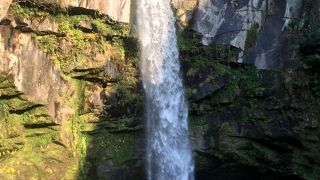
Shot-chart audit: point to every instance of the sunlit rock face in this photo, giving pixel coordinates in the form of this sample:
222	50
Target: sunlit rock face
4	6
32	72
118	10
254	25
227	22
184	11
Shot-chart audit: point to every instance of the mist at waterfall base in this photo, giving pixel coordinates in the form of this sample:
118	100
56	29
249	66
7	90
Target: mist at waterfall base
168	151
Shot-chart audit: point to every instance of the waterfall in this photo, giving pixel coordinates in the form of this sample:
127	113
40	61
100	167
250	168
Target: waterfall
168	151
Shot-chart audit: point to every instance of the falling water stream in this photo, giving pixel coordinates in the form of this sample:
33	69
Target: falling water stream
168	151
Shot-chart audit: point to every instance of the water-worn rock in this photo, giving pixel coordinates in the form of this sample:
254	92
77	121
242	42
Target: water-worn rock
33	86
268	52
232	22
227	22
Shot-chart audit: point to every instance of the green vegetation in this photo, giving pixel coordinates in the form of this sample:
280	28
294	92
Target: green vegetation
26	135
241	87
252	35
118	147
310	59
69	46
23	12
97	58
245	110
212	64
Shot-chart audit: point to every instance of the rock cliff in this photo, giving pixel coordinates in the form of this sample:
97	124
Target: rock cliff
61	88
71	98
254	26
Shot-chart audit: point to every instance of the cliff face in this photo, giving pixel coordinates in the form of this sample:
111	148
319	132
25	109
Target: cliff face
256	27
62	95
71	100
248	123
117	10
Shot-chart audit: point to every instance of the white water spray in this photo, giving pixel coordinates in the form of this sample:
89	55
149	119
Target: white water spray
168	151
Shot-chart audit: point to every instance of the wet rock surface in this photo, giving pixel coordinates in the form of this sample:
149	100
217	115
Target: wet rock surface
71	101
255	26
260	124
227	22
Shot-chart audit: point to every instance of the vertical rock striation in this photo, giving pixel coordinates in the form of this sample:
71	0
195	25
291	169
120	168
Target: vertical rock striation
253	25
227	22
32	71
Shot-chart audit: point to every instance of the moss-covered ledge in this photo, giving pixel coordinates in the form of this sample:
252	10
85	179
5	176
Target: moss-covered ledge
100	114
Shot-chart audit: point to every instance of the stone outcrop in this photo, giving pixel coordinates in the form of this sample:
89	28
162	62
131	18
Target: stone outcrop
293	10
227	22
184	11
70	96
256	124
4	6
65	80
32	115
269	49
245	24
251	124
32	72
253	25
118	10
